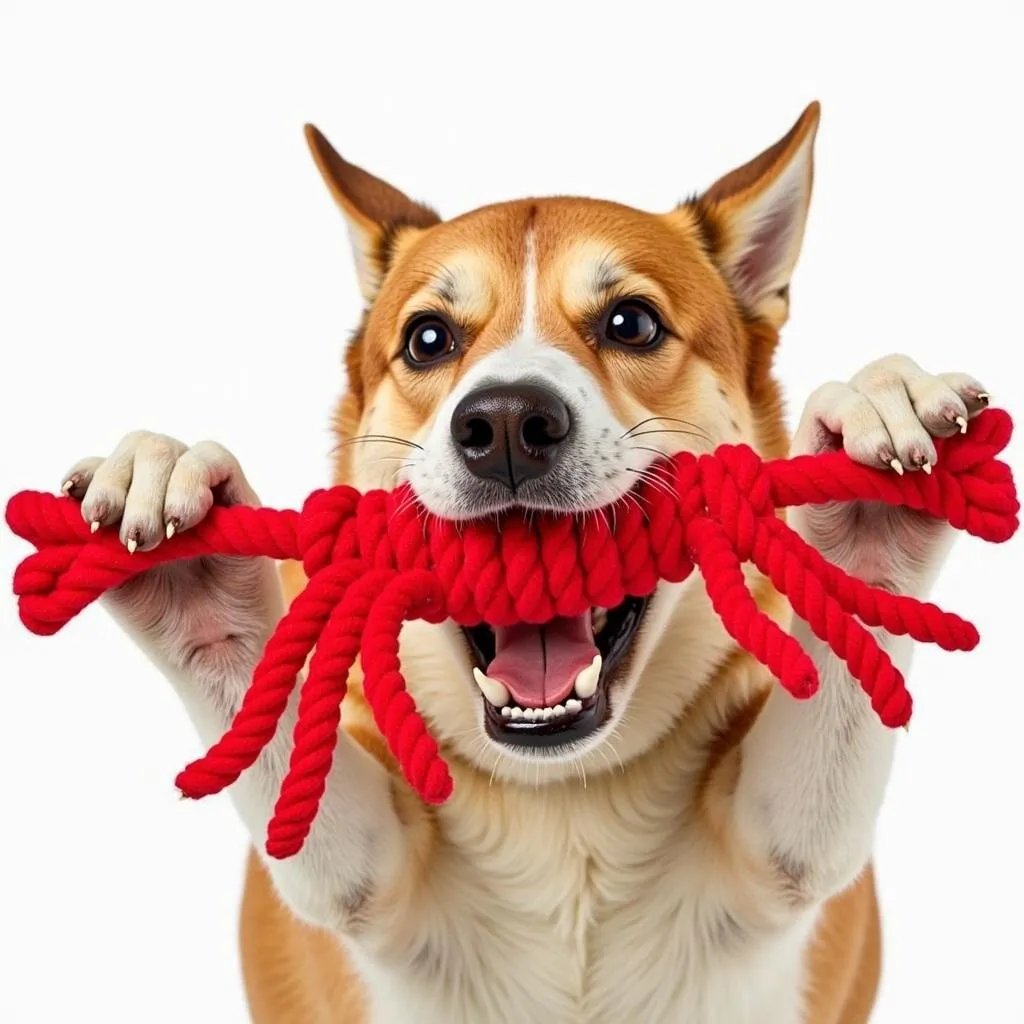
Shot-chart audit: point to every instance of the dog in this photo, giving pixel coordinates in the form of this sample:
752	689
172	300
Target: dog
644	827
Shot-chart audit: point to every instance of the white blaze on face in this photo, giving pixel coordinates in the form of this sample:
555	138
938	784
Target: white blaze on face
528	324
595	469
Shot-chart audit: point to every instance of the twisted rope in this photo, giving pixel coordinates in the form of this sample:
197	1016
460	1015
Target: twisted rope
375	561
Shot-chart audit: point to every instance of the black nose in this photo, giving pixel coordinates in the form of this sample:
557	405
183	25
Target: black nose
511	433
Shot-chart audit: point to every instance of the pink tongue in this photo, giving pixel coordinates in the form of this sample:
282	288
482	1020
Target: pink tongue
539	664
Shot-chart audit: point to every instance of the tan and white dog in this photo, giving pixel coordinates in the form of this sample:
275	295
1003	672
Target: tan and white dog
644	829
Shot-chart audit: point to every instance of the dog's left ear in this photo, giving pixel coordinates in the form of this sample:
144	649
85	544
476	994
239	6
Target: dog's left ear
377	213
756	216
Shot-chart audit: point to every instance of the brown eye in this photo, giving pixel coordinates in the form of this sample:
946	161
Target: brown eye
428	340
633	324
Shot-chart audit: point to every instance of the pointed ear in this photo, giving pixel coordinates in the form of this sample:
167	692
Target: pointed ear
375	211
756	216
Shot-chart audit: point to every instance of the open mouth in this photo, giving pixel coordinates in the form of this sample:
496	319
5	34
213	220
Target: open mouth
547	686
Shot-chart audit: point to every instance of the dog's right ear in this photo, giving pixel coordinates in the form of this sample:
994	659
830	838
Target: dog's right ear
378	215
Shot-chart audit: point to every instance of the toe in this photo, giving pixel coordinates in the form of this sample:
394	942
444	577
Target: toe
77	479
974	395
142	525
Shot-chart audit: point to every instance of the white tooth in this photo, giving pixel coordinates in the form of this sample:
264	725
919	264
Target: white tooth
506	712
517	713
529	714
546	713
586	681
572	706
558	710
495	692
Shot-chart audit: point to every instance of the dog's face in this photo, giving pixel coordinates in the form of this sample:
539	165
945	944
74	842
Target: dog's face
543	354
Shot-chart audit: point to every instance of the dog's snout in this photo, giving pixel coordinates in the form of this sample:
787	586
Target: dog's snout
511	433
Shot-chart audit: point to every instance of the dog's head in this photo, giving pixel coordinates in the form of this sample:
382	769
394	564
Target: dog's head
542	354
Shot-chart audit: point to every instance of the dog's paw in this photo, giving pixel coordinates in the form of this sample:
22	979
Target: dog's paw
207	616
888	414
887	417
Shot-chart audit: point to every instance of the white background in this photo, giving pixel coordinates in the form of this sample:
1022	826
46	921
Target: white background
169	259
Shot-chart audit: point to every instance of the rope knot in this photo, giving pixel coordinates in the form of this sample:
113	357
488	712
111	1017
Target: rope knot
737	492
326	530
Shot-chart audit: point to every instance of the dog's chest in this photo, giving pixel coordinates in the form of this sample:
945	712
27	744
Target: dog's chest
569	918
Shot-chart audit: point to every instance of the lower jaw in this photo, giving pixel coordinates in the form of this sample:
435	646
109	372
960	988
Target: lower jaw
553	732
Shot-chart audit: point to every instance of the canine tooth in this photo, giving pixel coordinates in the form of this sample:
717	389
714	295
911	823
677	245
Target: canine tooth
517	713
586	681
573	705
558	710
495	692
506	712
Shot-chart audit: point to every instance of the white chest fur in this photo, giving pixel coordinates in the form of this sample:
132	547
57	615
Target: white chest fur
605	906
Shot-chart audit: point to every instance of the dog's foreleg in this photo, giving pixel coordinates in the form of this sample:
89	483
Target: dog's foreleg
814	772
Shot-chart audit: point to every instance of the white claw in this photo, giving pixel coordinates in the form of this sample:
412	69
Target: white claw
496	692
962	424
586	681
170	529
66	486
927	467
132	545
897	465
94	526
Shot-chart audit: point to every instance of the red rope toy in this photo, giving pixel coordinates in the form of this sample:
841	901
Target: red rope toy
374	561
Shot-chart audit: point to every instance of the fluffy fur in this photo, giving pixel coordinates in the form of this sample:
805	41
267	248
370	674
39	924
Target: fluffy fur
705	856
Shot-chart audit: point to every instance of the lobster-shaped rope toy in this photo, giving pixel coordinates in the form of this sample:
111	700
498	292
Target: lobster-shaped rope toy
375	560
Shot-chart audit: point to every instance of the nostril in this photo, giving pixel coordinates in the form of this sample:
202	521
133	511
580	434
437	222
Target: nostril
543	430
475	432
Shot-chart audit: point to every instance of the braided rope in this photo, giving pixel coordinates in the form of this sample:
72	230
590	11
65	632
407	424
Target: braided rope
375	561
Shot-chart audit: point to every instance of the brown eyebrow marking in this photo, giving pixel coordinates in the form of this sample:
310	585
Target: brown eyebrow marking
607	273
445	287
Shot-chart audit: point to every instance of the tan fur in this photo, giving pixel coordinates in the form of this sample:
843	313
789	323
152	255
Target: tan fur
682	756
